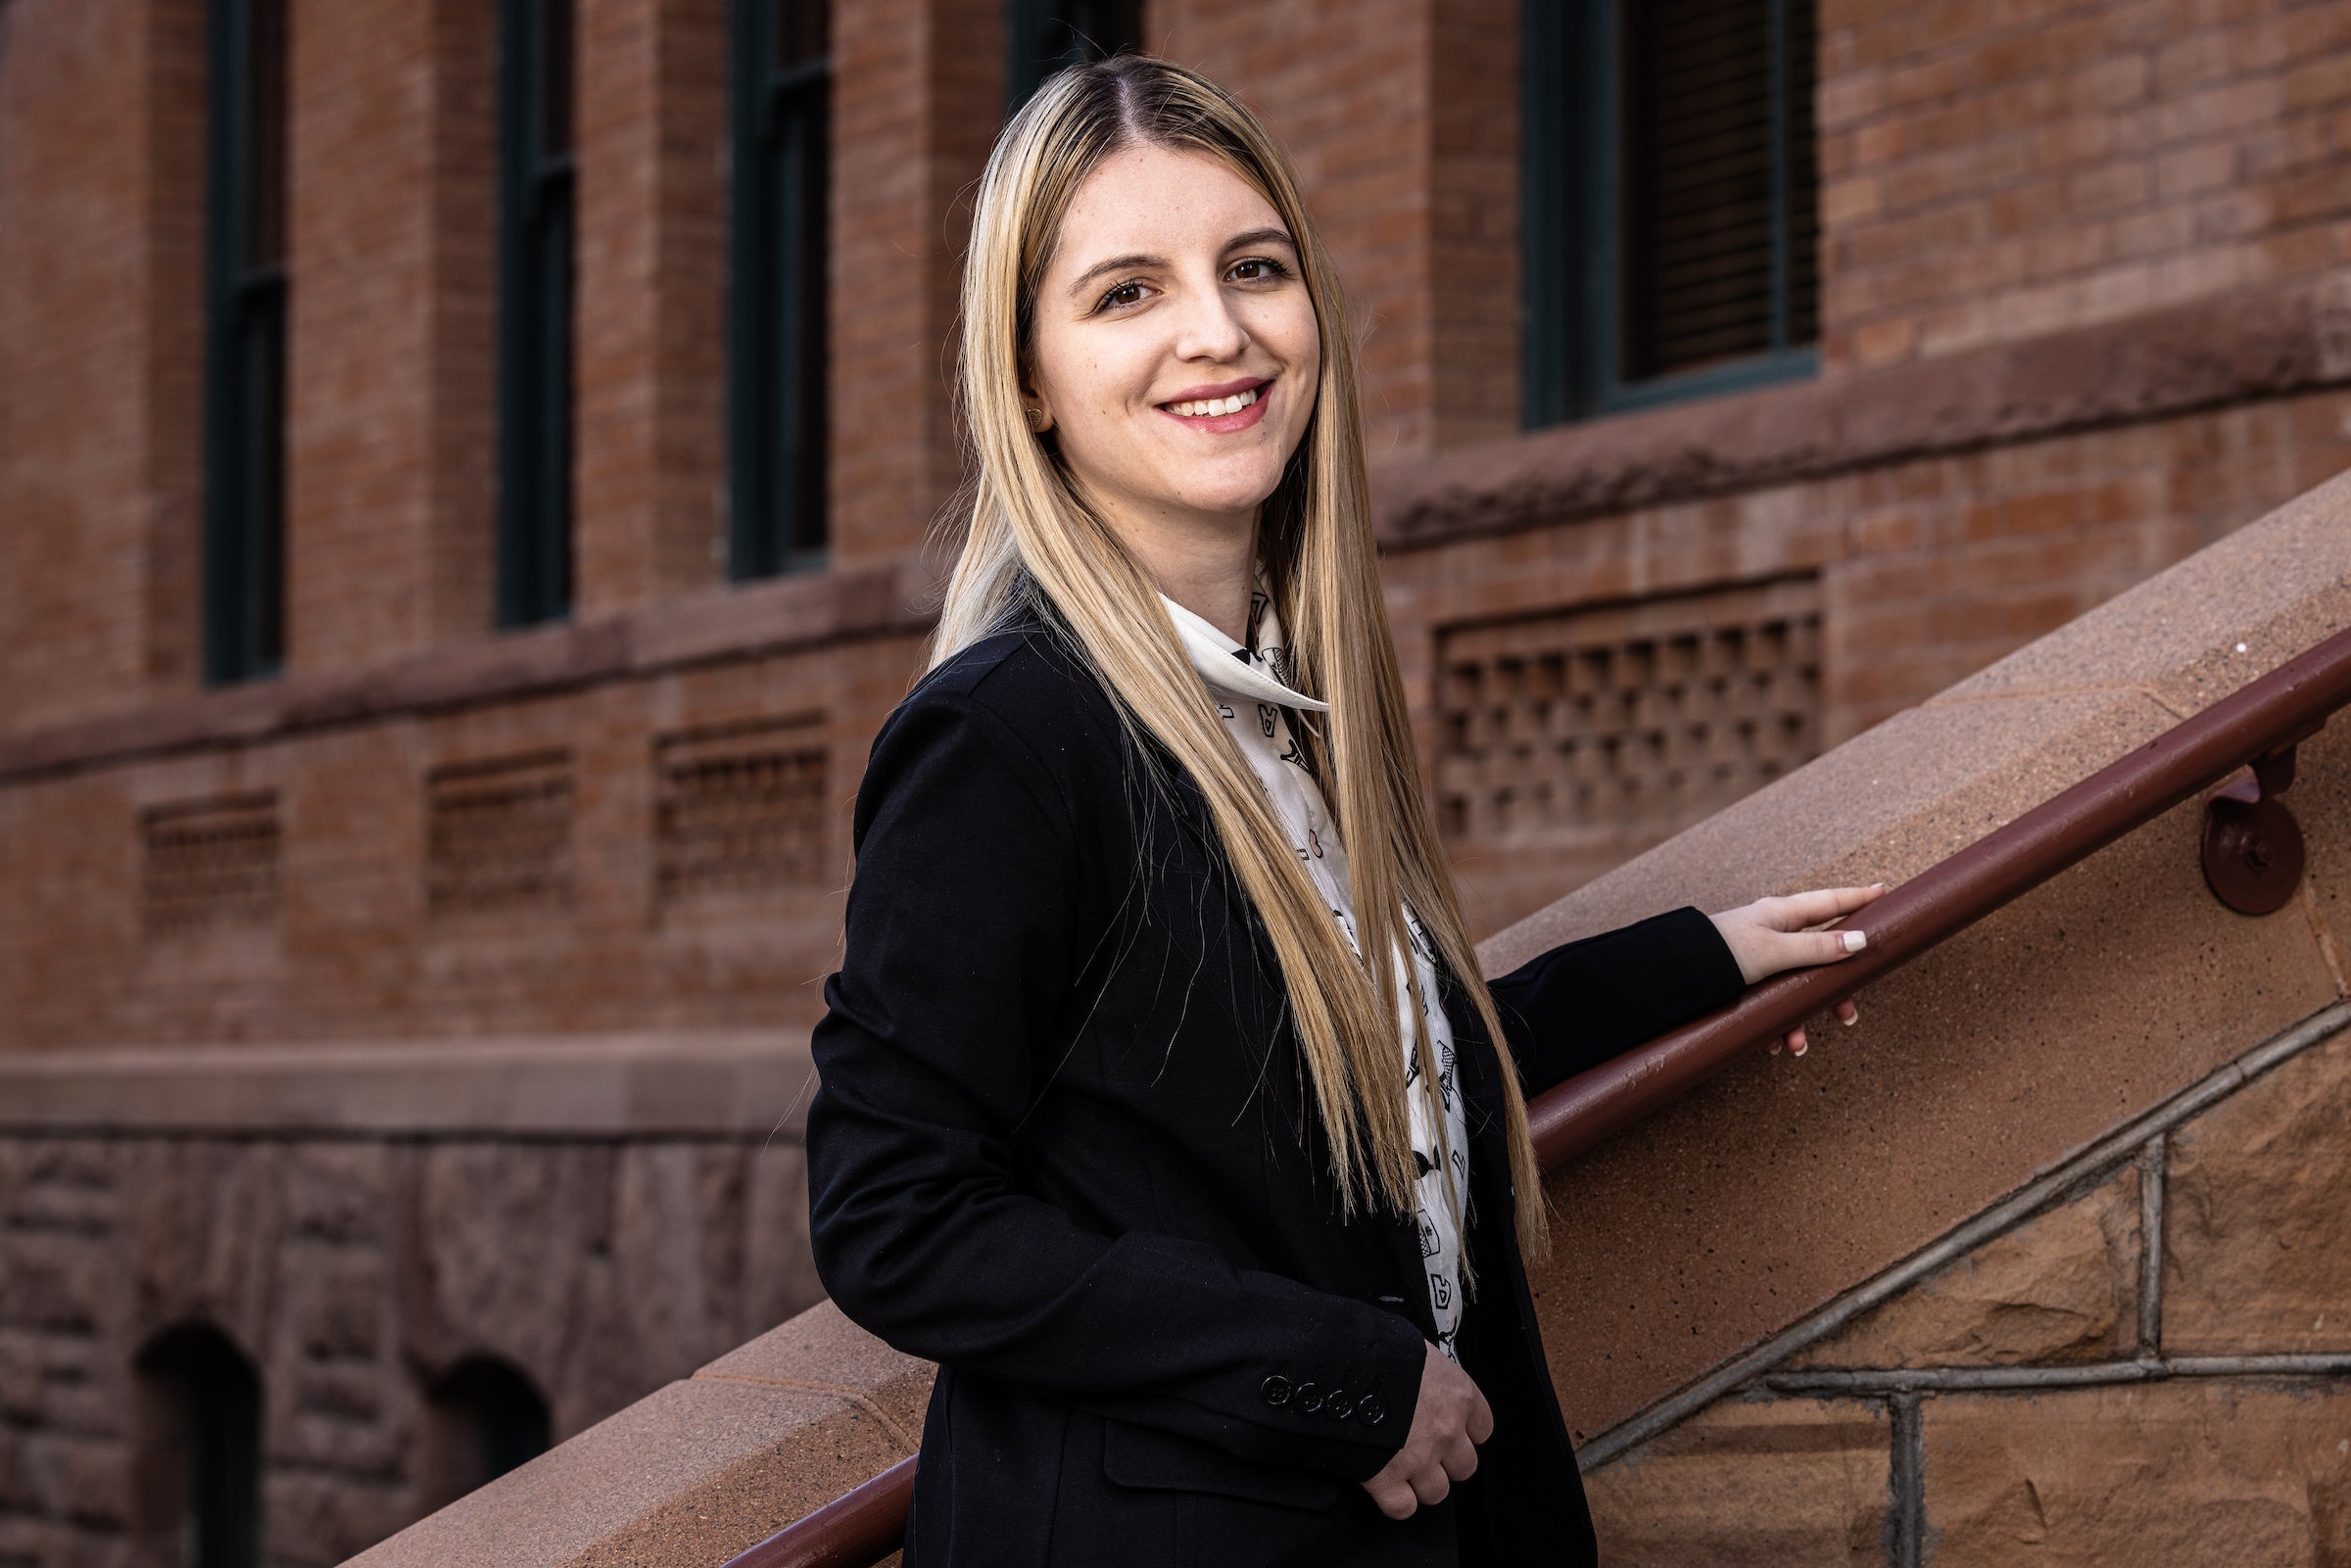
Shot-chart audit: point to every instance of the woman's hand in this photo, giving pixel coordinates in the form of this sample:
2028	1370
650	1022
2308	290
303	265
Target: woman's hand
1772	934
1449	1418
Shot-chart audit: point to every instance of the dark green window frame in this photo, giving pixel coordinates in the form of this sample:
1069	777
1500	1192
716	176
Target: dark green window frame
1041	36
776	425
536	243
1583	144
244	341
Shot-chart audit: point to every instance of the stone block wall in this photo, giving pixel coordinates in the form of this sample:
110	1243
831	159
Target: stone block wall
2142	1357
352	1271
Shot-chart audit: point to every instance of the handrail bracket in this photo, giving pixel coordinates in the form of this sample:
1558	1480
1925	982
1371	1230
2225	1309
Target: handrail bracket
2252	846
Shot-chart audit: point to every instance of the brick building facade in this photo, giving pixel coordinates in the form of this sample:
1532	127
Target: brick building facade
438	1000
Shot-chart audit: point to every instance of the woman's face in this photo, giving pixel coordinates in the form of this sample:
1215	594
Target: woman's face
1175	351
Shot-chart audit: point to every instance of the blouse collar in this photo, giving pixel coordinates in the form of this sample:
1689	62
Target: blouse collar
1228	667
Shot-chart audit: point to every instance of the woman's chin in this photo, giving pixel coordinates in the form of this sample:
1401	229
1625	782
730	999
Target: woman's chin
1236	489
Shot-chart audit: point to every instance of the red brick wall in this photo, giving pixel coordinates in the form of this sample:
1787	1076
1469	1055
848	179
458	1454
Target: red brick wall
1928	570
100	282
650	460
461	334
1474	233
1403	118
918	88
361	111
1994	170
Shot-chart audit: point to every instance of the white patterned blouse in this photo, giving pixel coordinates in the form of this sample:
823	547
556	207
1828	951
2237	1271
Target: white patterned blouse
1251	687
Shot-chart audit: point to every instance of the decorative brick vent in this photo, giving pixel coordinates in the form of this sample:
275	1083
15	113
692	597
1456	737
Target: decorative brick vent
498	834
209	865
1625	720
740	809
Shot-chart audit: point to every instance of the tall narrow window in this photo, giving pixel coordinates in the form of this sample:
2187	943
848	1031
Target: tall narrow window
198	1456
535	180
245	350
1041	36
483	1420
776	357
1671	200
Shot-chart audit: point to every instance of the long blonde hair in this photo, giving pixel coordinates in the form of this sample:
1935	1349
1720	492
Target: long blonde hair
1027	531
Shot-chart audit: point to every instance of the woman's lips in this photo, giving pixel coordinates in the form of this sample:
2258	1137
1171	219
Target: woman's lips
1224	424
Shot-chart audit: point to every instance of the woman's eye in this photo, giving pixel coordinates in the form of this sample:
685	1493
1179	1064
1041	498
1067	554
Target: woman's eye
1124	294
1258	268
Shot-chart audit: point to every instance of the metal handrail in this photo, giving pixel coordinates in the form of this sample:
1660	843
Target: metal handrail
855	1530
2267	715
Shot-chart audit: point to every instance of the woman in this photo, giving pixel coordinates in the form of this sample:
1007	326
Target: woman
1215	1227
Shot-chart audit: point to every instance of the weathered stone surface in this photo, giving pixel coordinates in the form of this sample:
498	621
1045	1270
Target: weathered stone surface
822	1347
332	1300
318	1519
779	1269
1769	1483
692	1474
2061	1287
2194	1473
203	1233
1777	1185
306	1432
665	1287
46	1544
84	1480
338	1192
503	1229
2257	1255
56	1283
19	1376
352	1272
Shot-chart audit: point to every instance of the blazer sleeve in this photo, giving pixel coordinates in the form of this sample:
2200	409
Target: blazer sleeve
1582	1003
963	942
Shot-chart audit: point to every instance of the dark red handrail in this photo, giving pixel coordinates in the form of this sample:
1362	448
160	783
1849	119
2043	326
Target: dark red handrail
2277	709
2284	705
855	1530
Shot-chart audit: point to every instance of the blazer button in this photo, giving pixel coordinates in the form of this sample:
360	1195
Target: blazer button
1339	1407
1276	1390
1309	1398
1368	1410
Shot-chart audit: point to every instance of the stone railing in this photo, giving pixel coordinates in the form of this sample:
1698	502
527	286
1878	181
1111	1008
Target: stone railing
1953	1274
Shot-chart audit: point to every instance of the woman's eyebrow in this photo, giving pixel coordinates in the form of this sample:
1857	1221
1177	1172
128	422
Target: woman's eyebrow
1261	236
1117	263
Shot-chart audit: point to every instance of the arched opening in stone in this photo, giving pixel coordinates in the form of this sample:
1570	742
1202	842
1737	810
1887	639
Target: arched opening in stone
482	1417
196	1476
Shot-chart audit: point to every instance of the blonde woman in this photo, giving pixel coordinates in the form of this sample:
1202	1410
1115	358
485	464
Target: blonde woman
1162	1102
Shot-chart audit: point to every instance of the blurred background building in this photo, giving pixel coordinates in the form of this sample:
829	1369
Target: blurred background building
466	476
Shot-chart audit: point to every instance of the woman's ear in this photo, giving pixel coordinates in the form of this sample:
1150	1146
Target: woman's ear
1035	409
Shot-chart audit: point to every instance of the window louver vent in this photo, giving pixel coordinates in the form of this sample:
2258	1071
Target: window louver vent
1719	234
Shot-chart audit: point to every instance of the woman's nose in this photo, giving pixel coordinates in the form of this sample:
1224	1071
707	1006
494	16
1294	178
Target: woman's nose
1207	327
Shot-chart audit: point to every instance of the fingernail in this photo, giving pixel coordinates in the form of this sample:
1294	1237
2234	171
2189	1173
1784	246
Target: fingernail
1854	941
1876	885
1855	1018
1797	1050
1775	1048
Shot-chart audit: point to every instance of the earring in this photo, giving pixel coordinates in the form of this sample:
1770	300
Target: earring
1037	419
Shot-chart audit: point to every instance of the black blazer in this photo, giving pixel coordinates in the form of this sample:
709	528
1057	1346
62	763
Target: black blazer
1063	1147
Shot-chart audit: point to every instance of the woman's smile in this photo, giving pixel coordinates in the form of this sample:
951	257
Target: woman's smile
1221	409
